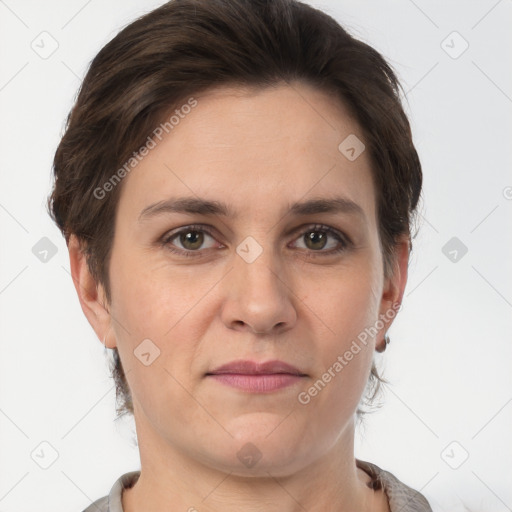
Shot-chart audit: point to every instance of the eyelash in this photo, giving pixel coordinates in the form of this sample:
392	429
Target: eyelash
168	238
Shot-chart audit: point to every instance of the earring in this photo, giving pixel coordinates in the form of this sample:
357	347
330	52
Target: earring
383	347
104	341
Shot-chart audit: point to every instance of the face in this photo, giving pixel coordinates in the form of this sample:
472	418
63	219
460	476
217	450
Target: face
263	274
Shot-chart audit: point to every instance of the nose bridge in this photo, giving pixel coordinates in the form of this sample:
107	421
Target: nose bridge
258	295
256	268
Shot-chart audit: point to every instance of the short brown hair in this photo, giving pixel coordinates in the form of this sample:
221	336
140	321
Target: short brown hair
185	47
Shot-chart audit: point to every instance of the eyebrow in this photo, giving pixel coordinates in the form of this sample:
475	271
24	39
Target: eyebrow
198	206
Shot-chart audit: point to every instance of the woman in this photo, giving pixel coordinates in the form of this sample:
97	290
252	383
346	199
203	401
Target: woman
236	186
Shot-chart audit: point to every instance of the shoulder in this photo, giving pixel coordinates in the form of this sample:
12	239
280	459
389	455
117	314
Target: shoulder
401	497
112	502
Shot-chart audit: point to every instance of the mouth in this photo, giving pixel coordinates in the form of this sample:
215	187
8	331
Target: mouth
254	377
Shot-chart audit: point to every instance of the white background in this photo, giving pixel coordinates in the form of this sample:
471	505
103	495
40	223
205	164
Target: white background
450	358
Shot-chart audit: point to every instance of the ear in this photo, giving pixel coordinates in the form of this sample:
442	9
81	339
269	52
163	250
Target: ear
394	287
90	294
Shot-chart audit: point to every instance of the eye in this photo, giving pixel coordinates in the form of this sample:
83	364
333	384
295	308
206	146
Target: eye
318	237
190	240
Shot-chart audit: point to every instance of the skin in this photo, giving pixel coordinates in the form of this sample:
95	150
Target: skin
258	151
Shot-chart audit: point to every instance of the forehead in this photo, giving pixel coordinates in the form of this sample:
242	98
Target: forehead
256	149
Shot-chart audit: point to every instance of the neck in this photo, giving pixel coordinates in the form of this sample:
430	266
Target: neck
171	481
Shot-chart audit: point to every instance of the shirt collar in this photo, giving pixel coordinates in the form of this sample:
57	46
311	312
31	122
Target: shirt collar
115	503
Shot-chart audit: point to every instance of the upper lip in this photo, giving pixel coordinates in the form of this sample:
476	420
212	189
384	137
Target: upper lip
246	367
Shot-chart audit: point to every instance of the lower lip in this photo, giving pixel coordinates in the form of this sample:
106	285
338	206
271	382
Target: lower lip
261	383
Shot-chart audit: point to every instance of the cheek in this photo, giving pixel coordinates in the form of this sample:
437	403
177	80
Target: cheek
348	302
346	308
149	302
143	311
153	341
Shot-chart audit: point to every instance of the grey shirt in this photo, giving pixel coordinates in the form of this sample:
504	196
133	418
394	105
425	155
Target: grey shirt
401	497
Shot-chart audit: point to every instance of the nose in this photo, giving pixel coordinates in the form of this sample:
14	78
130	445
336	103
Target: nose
258	297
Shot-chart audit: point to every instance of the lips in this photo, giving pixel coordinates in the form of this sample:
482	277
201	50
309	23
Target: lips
244	367
259	378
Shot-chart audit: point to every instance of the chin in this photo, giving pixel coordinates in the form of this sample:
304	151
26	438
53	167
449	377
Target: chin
269	449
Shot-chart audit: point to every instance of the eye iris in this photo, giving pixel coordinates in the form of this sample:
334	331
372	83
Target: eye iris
195	238
314	237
